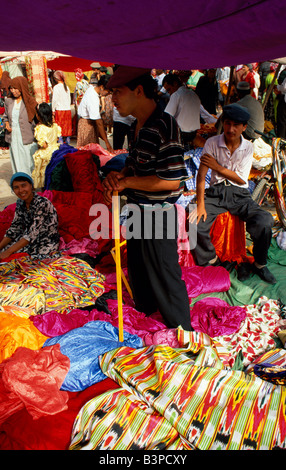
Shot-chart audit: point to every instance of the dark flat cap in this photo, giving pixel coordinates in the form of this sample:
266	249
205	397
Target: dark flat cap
243	86
236	113
125	74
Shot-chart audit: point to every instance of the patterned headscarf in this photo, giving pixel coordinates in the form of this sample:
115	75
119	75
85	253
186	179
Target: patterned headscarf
21	83
59	75
78	74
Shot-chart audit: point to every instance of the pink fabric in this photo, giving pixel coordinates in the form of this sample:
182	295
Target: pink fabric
53	323
215	317
204	280
103	154
32	380
199	280
86	245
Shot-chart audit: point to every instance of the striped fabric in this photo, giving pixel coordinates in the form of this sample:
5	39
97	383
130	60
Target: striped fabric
181	399
37	76
67	283
157	150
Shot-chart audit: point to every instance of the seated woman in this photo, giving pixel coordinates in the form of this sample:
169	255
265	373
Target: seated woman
34	229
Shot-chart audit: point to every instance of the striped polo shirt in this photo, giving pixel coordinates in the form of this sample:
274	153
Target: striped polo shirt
157	150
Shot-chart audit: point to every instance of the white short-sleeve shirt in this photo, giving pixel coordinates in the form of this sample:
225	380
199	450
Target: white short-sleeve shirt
240	161
184	105
89	107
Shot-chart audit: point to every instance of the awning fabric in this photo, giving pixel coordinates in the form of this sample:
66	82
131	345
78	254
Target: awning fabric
179	34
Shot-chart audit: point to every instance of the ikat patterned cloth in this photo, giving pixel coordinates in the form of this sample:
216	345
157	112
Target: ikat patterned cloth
181	399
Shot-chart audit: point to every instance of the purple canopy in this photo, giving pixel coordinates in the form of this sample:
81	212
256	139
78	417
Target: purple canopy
168	34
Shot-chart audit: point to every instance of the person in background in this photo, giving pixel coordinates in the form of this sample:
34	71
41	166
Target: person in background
254	107
121	129
281	110
34	229
47	134
20	119
80	88
61	106
270	109
194	78
248	76
184	105
90	123
5	84
256	79
207	90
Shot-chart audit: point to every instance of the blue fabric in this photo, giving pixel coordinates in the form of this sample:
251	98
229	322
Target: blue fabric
57	157
116	163
83	346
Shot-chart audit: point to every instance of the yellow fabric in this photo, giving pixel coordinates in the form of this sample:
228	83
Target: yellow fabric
44	135
18	332
22	296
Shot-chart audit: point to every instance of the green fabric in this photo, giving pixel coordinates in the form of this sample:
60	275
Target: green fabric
248	292
61	178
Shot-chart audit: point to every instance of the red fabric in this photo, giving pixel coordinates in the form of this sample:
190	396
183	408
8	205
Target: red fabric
64	120
228	237
68	64
84	174
32	379
6	217
21	432
73	214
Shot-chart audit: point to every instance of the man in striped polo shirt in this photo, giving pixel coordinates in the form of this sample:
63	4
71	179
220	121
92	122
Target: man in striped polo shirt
152	180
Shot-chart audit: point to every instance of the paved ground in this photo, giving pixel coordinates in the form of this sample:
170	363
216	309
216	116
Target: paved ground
6	195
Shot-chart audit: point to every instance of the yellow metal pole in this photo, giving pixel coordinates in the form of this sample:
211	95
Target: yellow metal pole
116	226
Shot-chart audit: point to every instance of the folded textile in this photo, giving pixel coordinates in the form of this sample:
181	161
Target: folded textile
215	317
181	399
83	346
32	379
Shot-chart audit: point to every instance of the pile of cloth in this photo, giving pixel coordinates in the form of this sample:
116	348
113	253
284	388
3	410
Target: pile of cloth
67	382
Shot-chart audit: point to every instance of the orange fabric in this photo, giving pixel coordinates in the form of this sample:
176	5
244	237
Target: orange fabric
18	332
228	237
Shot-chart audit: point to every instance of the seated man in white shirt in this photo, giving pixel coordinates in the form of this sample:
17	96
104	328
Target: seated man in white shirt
184	105
229	156
90	123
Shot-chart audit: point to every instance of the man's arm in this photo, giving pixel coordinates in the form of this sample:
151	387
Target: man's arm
230	175
102	134
200	212
119	182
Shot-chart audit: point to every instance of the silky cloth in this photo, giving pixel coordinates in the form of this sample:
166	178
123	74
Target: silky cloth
83	346
32	379
67	283
16	332
215	317
181	399
53	323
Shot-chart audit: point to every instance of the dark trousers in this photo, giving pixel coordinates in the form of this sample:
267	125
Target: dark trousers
219	199
281	118
155	278
120	131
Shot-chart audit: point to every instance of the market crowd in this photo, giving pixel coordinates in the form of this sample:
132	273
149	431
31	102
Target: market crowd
156	112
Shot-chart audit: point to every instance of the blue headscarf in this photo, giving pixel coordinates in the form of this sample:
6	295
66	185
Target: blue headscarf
21	174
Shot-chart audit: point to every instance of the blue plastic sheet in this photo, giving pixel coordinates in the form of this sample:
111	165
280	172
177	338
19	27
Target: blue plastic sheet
83	346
